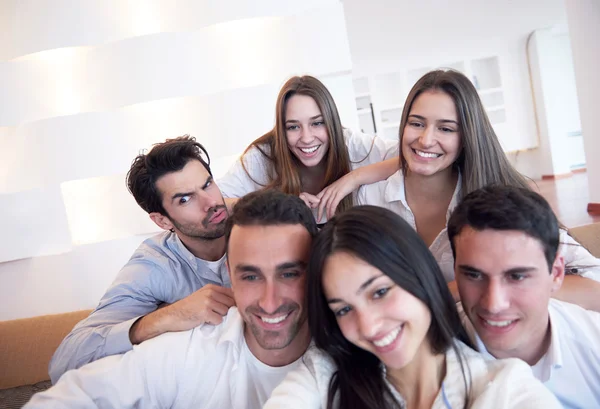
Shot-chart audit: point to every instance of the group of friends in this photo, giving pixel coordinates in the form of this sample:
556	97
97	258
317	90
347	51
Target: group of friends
333	269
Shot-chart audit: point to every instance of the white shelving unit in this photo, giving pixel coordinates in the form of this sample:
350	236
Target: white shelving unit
387	93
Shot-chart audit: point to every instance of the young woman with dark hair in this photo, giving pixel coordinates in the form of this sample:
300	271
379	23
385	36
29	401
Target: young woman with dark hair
387	332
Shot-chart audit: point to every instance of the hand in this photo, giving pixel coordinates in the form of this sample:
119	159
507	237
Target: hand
311	201
332	195
207	305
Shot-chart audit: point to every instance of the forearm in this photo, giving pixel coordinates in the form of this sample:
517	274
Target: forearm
376	172
581	291
89	343
152	325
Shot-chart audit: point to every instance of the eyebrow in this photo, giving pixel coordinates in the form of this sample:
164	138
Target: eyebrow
249	268
182	194
422	118
360	289
515	270
311	118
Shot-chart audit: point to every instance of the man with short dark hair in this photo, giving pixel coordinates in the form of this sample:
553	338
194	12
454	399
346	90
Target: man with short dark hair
235	364
505	242
181	270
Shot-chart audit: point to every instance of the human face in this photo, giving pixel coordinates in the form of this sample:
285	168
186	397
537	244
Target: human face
267	266
305	130
505	285
431	141
374	313
193	202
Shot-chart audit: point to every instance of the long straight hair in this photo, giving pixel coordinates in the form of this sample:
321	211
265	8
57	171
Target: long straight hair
482	161
384	240
283	168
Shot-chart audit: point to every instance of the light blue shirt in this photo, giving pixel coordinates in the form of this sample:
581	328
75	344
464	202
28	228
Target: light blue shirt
162	270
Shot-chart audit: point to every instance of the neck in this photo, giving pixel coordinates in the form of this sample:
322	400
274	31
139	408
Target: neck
420	381
283	356
436	187
312	178
535	348
209	250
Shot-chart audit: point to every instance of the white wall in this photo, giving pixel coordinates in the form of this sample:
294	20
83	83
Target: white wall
387	36
584	27
556	100
87	85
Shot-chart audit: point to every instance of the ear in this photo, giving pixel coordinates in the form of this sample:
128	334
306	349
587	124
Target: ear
161	221
557	272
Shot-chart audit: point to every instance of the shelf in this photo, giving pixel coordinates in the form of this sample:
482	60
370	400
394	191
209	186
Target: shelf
386	125
362	95
489	90
392	108
364	111
495	108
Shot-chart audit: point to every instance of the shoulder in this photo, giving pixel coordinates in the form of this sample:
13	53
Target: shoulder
365	149
570	320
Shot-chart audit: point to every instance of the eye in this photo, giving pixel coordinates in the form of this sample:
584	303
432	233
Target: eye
416	124
292	127
518	276
318	123
342	311
472	275
446	129
184	199
250	277
290	274
381	292
208	184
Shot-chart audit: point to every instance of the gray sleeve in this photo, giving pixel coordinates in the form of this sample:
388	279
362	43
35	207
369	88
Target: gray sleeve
106	330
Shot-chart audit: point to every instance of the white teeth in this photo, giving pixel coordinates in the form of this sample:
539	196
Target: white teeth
388	339
274	320
499	323
427	154
310	150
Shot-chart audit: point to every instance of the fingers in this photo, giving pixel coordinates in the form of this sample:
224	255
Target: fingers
311	201
213	318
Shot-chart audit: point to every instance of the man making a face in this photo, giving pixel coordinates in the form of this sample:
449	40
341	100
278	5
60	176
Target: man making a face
183	269
237	363
505	243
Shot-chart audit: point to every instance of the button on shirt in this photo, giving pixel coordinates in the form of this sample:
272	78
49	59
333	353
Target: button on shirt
571	366
391	194
207	367
161	270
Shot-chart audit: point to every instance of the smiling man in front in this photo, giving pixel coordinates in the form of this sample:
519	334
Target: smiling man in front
237	363
505	243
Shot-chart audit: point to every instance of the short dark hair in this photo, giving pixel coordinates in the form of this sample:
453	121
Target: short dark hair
166	157
270	207
507	208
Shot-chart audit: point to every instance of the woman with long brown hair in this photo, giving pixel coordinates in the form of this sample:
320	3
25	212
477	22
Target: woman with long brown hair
308	150
448	149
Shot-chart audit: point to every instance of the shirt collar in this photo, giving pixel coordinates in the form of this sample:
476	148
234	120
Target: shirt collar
233	329
394	191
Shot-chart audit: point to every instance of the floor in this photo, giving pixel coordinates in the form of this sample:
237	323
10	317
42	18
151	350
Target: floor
569	198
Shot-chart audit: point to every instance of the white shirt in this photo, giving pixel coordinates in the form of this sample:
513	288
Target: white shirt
571	366
362	149
506	383
391	194
206	367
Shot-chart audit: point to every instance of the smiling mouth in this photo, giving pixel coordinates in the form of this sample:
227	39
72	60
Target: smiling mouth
498	324
275	320
310	150
428	155
389	338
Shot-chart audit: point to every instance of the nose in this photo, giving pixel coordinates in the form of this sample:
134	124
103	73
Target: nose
207	201
306	134
427	137
368	323
495	300
269	300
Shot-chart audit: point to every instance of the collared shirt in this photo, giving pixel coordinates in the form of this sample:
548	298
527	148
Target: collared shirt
207	367
363	150
391	194
571	366
506	383
161	270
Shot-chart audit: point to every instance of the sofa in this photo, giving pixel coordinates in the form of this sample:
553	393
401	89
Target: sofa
25	350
